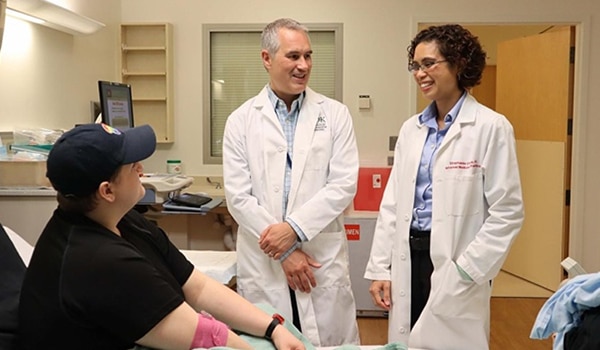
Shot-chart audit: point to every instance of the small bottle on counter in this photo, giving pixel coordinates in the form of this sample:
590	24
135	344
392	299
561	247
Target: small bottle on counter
174	166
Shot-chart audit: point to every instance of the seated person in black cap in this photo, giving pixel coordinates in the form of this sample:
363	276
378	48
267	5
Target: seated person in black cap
103	277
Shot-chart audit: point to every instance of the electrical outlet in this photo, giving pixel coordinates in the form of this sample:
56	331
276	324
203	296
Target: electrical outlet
376	180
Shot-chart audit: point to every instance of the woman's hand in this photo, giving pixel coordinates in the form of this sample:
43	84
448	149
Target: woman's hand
380	293
285	340
236	342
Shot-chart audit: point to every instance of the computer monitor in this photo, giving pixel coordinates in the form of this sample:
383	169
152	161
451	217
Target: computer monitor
116	104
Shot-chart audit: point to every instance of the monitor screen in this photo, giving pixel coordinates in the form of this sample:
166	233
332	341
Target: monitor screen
116	104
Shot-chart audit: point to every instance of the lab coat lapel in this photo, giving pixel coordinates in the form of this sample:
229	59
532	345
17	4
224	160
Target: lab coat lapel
303	138
264	105
466	115
272	137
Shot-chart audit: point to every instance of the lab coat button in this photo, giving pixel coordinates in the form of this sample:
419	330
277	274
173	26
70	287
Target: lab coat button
280	149
402	330
402	256
406	217
276	188
402	293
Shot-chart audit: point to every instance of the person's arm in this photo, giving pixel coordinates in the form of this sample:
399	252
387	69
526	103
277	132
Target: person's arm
205	293
180	330
380	258
378	267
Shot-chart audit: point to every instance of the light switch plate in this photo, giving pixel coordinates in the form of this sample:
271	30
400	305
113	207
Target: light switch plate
364	101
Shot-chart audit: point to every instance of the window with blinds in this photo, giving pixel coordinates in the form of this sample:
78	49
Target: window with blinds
234	73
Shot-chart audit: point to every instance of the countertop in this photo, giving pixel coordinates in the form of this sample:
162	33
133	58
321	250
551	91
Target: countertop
212	186
27	192
200	185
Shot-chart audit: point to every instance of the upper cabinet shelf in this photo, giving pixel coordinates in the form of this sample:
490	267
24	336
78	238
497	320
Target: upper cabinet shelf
147	65
143	48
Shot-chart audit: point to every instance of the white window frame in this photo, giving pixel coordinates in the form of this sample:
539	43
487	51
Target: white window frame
208	29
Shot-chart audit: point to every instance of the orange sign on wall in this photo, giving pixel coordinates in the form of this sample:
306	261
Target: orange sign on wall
352	232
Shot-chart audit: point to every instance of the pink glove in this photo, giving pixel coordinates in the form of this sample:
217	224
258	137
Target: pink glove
209	332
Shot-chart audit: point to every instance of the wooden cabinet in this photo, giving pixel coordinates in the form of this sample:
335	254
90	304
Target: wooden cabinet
147	65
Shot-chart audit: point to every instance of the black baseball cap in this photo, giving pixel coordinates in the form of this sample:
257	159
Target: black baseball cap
89	154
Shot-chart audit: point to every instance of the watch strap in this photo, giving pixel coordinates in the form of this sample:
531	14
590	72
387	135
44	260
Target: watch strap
277	320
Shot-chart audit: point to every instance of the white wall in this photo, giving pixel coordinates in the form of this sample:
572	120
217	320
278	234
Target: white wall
376	34
47	77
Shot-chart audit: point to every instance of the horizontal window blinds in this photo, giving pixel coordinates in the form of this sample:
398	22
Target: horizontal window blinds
237	74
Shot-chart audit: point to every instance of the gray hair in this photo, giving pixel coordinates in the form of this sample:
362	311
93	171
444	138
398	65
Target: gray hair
269	39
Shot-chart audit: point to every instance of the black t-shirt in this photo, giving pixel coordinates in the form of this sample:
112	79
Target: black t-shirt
87	288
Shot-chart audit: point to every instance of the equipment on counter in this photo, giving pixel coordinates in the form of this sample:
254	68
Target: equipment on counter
159	186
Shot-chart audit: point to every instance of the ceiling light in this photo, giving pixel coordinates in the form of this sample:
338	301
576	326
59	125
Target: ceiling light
23	16
54	16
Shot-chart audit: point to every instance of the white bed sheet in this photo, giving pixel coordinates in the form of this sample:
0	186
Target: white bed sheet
220	265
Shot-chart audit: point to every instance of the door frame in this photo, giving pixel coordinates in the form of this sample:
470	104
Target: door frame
580	87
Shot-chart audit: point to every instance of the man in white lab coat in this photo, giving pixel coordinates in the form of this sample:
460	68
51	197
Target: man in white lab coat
290	166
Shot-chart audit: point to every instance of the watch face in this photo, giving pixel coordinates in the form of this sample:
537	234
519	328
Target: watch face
279	318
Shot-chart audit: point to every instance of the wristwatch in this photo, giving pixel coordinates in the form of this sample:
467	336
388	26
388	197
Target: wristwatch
277	320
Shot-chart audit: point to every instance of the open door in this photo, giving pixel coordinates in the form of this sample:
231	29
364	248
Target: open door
534	90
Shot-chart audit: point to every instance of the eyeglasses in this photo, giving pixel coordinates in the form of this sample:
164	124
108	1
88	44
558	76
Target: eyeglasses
426	66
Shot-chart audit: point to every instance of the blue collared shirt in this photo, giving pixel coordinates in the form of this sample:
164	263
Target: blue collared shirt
423	193
288	121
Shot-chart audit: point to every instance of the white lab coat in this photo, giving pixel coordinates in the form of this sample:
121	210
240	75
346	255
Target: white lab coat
477	213
323	182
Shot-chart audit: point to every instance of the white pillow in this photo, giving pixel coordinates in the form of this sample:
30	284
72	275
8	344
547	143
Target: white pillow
23	248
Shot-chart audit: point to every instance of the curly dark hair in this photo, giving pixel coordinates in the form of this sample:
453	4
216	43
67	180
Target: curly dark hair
459	48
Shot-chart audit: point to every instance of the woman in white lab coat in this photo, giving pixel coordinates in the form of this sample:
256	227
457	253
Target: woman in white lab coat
452	206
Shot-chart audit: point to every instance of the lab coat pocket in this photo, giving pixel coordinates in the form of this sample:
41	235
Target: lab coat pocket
456	297
463	194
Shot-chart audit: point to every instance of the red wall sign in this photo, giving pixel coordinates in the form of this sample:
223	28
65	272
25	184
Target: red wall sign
352	232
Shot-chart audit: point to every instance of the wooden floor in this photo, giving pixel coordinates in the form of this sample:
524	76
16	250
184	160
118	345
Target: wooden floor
511	322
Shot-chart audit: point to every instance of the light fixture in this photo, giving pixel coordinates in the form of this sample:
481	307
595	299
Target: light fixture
53	16
23	16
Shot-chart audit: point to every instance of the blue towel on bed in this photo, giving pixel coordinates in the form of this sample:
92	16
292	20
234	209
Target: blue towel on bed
563	310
